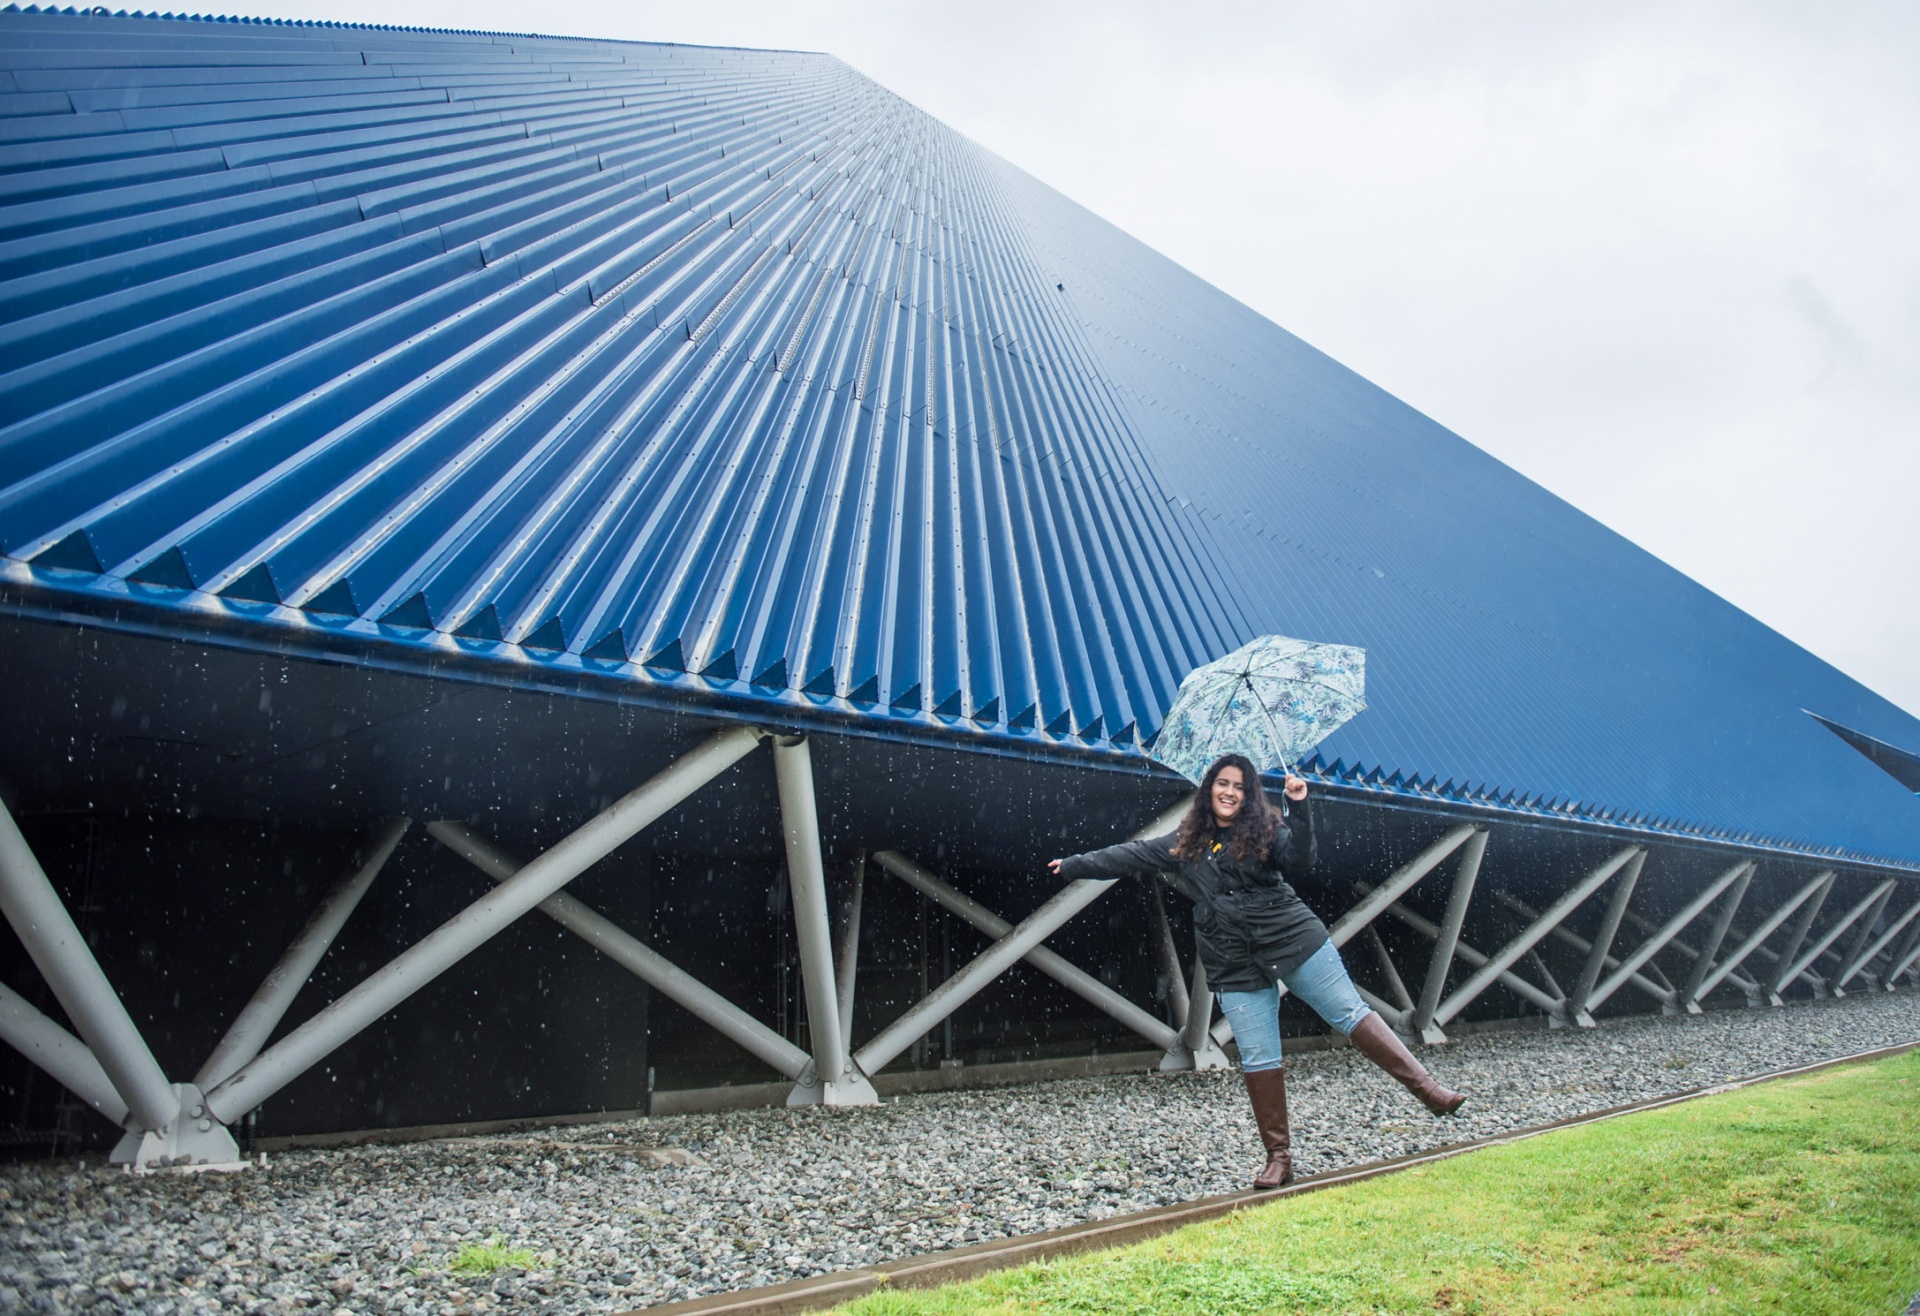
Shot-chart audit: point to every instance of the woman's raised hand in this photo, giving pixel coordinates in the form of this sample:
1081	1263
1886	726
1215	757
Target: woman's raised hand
1053	866
1295	787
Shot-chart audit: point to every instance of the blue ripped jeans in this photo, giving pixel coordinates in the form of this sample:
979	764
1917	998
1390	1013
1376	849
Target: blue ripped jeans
1321	982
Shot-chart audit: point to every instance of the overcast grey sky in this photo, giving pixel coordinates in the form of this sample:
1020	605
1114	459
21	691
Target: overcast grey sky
1662	258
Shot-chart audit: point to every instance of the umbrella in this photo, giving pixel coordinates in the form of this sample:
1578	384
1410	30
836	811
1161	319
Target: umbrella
1272	700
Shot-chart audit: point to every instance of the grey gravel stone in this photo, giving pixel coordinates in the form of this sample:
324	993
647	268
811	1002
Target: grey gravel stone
616	1216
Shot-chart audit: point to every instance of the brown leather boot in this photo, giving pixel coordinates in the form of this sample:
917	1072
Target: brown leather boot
1377	1043
1267	1089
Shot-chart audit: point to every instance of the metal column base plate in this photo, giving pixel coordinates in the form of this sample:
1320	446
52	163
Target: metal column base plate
194	1138
850	1089
1179	1057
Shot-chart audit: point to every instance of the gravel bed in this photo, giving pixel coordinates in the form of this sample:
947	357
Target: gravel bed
611	1217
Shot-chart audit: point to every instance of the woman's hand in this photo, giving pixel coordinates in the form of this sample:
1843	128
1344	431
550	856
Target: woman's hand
1295	788
1053	866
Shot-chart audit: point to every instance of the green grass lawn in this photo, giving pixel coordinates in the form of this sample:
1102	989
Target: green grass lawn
1801	1195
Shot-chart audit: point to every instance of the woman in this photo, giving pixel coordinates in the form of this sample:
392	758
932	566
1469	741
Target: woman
1233	853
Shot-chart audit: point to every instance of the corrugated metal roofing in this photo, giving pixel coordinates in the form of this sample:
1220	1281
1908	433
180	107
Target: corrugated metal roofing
731	371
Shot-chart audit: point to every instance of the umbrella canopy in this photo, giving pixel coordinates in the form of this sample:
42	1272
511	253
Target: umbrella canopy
1272	700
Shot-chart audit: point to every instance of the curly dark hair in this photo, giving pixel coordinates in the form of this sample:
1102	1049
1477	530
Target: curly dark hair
1249	837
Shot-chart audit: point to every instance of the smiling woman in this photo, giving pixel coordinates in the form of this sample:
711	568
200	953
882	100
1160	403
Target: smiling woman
1234	853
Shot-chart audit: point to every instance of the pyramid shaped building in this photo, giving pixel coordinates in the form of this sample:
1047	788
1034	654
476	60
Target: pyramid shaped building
400	422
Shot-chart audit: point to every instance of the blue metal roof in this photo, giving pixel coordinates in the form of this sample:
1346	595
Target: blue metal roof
730	373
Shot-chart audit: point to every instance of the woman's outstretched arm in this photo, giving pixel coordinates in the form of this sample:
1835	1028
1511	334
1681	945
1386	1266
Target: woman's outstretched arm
1128	859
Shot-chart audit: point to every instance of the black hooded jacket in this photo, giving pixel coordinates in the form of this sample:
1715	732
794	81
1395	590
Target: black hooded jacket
1250	927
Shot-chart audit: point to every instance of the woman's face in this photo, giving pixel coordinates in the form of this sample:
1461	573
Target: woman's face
1229	793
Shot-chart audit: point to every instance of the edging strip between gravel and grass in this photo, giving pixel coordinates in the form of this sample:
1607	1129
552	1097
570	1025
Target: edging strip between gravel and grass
933	1269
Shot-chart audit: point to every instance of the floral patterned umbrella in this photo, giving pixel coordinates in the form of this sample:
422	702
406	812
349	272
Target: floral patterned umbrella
1272	700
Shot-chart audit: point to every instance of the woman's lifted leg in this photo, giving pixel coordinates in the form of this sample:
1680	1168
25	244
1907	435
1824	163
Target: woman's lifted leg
1322	982
1374	1040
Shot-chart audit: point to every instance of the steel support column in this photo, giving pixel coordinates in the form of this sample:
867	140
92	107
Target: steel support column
847	968
58	950
58	1052
1447	937
634	955
1388	970
1553	984
1652	946
1703	963
1795	938
1851	962
840	1083
1197	1036
1860	961
1759	934
473	926
1600	952
1877	896
1505	958
1178	1001
262	1014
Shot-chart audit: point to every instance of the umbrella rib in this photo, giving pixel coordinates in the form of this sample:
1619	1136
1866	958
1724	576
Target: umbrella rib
1273	732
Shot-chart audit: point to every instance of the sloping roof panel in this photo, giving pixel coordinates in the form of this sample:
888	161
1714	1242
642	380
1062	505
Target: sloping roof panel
664	362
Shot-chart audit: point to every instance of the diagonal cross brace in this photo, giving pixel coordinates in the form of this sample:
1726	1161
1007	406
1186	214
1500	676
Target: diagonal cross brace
1905	958
1398	884
1512	981
1402	999
1179	1000
1866	957
1077	981
1797	936
846	967
45	928
59	1053
995	960
983	969
1507	956
478	923
1687	951
269	1004
1833	934
1579	943
1703	960
1599	954
1849	962
1759	934
633	955
1652	946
